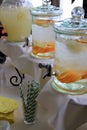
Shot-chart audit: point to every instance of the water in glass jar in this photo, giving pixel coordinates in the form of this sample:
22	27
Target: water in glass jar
17	22
70	64
43	39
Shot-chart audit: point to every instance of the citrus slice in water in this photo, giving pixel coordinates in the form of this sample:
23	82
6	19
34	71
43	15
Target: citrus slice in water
74	47
82	41
44	23
69	76
20	16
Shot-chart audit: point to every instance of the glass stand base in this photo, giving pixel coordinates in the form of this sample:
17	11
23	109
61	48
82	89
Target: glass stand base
72	88
49	55
29	123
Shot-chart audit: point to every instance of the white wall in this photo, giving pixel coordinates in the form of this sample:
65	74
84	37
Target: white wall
67	7
36	3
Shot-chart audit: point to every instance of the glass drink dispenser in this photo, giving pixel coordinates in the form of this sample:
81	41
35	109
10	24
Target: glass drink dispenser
70	62
43	36
16	19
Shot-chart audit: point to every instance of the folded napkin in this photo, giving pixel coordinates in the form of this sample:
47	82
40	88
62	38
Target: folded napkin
7	108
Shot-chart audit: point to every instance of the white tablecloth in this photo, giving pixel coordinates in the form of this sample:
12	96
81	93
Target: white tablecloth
21	59
59	111
67	112
8	90
56	111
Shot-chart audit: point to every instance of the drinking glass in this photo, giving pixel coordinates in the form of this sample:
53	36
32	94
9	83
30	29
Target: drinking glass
4	125
29	102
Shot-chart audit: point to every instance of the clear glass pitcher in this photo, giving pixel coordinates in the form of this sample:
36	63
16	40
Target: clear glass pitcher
43	36
16	19
70	62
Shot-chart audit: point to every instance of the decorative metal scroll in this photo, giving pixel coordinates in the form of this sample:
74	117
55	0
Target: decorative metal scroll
17	80
48	69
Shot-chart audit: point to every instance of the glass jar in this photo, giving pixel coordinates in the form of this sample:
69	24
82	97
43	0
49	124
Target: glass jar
43	36
16	19
70	62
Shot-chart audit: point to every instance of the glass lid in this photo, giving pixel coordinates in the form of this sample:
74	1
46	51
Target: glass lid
75	25
12	3
46	10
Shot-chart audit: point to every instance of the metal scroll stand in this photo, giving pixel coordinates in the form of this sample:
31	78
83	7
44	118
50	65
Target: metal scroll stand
2	60
48	69
17	80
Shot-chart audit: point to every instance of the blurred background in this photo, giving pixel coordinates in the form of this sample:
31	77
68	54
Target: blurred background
63	4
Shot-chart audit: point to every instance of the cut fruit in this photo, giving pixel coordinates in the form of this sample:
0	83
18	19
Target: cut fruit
48	48
82	41
74	47
20	16
43	22
69	76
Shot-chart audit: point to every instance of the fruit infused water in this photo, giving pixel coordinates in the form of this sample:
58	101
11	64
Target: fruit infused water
17	22
43	36
70	62
43	39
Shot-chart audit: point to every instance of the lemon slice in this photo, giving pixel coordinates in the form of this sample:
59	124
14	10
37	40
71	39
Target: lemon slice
21	16
7	116
7	105
74	47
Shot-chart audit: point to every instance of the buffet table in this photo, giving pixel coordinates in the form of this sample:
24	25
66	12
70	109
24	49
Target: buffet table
19	119
55	111
18	57
21	59
7	90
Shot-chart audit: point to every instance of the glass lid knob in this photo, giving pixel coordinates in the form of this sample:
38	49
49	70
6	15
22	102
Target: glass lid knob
77	14
46	2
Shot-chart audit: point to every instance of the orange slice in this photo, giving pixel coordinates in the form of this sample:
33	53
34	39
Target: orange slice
41	22
69	76
82	41
49	48
35	49
84	75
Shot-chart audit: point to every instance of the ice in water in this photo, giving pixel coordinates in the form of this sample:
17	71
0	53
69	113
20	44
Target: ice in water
43	34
